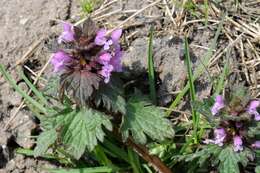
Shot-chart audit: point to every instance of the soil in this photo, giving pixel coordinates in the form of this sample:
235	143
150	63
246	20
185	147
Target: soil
23	23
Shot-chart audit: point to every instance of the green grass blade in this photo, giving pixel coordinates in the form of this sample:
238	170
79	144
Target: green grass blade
151	75
195	116
199	70
146	167
12	82
103	159
221	80
206	7
29	152
134	161
82	170
114	150
38	94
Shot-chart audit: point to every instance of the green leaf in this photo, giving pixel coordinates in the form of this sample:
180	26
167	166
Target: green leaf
82	170
195	115
151	75
143	119
134	161
52	86
30	153
229	159
205	153
110	95
204	107
44	140
84	131
257	169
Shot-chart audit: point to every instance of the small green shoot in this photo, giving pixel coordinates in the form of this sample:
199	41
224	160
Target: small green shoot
151	75
206	8
88	6
195	116
221	81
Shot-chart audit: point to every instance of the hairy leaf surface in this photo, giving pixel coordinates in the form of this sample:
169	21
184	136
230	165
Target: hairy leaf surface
203	155
110	95
82	84
44	140
143	119
229	159
84	131
52	87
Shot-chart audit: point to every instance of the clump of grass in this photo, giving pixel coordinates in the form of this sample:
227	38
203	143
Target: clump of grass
88	6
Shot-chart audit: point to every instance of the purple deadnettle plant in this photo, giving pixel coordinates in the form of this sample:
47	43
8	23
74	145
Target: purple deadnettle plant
92	58
232	141
235	117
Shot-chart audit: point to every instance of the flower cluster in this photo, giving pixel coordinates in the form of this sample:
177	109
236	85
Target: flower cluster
92	56
234	130
109	56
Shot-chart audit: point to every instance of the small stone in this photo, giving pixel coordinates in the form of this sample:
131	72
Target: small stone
23	21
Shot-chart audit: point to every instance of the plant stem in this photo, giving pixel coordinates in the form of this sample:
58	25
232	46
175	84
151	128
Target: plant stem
143	152
153	160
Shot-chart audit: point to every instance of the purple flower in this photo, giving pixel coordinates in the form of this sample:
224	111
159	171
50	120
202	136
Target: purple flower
104	58
68	33
219	104
237	143
252	109
106	72
219	137
102	40
116	60
115	35
256	144
59	61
